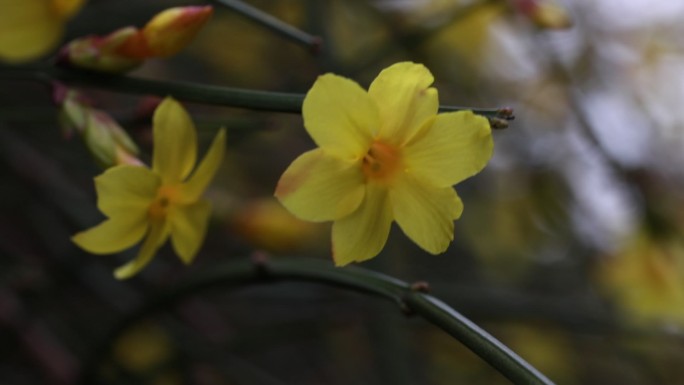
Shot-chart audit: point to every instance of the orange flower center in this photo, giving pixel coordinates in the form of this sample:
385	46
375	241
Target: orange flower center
160	205
381	162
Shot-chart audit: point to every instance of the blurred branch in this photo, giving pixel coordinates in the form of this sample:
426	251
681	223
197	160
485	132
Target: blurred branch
409	298
276	25
200	93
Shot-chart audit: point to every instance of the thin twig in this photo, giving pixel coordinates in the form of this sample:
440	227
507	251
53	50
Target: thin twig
198	93
276	25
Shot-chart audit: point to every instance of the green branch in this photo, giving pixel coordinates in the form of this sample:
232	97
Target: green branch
199	93
409	298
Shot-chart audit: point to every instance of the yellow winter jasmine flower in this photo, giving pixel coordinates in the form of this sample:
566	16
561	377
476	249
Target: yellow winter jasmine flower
383	155
156	203
30	28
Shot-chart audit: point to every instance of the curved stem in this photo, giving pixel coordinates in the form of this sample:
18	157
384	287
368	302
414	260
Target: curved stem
245	273
192	92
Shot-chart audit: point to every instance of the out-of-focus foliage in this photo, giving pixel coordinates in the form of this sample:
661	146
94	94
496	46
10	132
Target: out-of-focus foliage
569	248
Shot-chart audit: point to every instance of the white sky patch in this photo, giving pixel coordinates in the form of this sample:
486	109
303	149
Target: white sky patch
606	212
619	124
631	14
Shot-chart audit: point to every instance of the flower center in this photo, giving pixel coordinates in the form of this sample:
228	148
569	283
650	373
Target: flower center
381	162
160	205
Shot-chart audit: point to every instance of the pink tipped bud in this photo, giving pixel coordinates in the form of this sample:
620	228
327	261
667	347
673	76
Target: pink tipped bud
101	53
168	32
105	139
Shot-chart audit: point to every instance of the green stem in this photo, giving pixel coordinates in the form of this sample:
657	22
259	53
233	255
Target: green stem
244	273
276	25
192	92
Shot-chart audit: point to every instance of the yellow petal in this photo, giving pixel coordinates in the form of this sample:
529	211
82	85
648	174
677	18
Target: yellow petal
340	116
155	238
188	228
114	234
200	179
126	188
318	187
175	142
363	234
28	29
404	100
456	146
425	213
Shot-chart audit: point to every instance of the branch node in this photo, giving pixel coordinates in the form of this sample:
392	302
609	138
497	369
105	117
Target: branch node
505	113
316	45
405	308
498	123
260	259
420	286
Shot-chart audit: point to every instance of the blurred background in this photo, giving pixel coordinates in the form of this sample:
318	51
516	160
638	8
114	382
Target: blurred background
570	249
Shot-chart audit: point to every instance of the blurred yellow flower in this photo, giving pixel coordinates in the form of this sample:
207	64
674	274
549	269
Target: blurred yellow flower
383	155
30	28
646	278
159	202
266	225
166	34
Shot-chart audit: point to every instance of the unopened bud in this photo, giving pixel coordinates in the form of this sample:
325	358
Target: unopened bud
73	112
122	50
105	139
168	32
101	53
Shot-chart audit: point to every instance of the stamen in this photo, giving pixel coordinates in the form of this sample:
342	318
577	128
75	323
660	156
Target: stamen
159	207
381	161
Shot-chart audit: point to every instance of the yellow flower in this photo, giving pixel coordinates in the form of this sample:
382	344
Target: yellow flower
30	28
156	203
383	155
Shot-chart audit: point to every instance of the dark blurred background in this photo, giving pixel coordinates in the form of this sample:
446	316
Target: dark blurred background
570	248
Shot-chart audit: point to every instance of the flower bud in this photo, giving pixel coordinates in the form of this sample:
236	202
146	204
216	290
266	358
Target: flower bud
109	144
101	53
107	141
122	50
168	32
73	112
